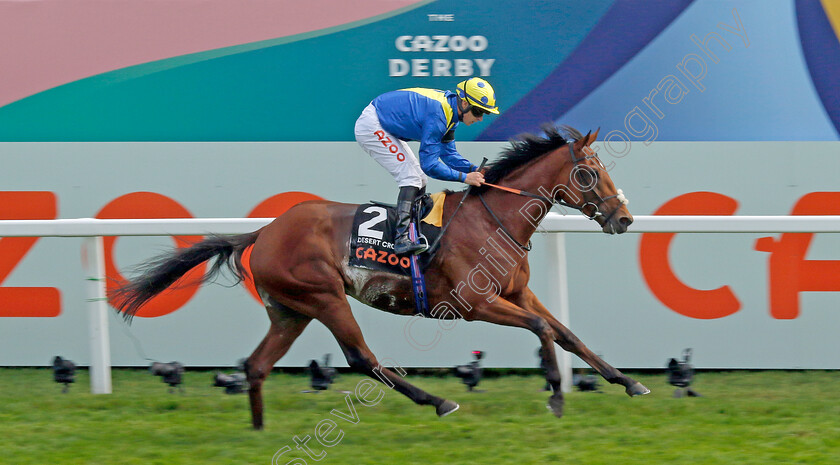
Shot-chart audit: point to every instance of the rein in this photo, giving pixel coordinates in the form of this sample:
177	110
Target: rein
535	196
434	245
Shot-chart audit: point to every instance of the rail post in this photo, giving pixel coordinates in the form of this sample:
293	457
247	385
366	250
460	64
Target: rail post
558	300
100	344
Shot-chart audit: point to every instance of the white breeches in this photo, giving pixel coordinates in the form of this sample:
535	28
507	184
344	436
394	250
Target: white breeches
392	153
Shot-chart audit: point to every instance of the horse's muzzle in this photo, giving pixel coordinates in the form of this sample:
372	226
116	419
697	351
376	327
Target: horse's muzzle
618	224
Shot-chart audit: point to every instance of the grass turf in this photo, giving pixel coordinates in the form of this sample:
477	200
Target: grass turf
743	417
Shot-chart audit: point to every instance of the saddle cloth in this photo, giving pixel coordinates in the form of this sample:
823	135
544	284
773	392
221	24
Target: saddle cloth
372	236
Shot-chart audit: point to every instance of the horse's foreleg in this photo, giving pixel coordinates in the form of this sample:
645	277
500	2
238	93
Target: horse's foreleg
569	342
286	326
503	312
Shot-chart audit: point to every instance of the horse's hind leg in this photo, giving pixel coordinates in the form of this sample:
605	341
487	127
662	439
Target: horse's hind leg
286	326
336	315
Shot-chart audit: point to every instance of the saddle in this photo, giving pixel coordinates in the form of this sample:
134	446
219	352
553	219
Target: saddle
372	236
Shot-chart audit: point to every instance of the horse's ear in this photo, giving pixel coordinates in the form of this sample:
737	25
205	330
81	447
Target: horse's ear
583	141
593	137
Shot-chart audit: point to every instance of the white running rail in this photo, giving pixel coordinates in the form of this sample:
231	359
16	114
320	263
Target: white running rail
94	229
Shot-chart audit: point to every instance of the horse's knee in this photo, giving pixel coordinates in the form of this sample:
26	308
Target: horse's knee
358	361
254	374
542	329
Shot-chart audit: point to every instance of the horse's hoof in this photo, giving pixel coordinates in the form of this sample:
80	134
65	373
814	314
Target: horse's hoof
637	389
446	408
555	404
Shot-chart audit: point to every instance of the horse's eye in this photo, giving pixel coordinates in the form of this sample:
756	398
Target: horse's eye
586	177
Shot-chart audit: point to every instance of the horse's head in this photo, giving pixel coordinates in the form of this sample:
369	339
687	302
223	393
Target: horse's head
590	188
564	169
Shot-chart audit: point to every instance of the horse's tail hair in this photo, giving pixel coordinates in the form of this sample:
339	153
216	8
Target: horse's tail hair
164	270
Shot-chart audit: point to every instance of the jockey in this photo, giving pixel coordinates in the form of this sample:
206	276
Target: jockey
429	116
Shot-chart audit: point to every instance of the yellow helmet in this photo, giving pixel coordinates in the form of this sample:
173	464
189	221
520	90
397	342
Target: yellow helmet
478	92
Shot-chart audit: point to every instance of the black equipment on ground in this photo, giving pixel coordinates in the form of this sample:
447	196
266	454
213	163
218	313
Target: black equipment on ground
470	374
234	383
171	373
321	375
681	374
64	372
586	383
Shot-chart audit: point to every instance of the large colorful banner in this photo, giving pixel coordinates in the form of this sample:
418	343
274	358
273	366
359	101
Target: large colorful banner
266	70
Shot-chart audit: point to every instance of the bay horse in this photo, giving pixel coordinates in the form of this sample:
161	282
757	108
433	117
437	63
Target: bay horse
299	265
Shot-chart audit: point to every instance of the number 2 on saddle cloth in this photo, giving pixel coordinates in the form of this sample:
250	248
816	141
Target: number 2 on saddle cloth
372	242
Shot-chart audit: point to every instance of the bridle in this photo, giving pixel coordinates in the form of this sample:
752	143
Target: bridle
595	202
589	154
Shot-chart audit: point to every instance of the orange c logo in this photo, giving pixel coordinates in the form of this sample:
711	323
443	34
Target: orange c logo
152	205
660	277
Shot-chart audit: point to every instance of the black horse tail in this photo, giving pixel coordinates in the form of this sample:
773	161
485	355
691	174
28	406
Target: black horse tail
162	271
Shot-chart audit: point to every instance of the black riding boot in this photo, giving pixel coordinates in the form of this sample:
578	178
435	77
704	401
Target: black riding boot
402	244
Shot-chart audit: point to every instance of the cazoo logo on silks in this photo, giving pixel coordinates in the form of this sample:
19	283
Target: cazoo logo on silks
392	147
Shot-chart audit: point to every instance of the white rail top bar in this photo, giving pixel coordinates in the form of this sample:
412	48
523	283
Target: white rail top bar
84	227
553	222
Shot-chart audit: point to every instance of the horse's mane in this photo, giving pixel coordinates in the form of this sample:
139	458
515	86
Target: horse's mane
523	149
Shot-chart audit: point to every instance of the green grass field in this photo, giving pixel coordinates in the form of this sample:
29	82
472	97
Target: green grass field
743	418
